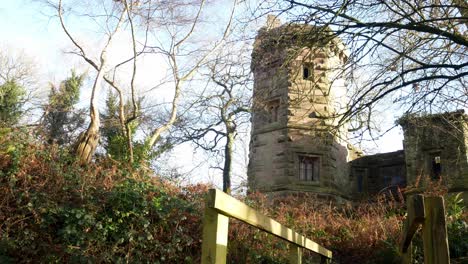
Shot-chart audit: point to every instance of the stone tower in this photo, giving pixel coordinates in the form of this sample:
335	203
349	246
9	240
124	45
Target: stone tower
298	92
436	150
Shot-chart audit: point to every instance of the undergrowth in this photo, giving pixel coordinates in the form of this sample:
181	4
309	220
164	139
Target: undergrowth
54	211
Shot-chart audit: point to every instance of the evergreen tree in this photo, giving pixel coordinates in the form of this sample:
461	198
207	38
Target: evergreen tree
61	118
11	102
111	131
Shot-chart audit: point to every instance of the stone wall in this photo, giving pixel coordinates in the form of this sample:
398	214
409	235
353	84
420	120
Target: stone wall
373	174
436	149
297	95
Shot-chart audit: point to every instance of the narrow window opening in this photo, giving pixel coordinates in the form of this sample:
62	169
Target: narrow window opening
305	73
273	110
359	183
274	113
436	169
434	164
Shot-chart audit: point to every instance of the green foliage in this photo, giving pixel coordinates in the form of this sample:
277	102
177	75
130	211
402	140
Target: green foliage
115	139
53	211
387	254
457	227
11	103
61	118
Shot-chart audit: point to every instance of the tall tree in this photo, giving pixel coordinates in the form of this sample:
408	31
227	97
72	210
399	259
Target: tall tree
16	76
114	139
11	103
162	30
224	108
61	118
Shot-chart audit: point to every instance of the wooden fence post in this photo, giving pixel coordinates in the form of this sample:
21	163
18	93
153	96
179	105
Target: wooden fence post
434	232
295	254
324	260
407	257
415	217
406	249
215	236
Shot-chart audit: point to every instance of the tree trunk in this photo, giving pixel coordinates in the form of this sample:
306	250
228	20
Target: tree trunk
228	148
87	143
88	140
129	143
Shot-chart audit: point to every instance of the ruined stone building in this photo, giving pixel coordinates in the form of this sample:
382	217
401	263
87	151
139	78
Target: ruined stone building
295	145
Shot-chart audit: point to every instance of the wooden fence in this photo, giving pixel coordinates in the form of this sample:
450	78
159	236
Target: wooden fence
428	213
220	206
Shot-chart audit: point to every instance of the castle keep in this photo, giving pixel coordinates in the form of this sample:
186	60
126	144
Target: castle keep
296	143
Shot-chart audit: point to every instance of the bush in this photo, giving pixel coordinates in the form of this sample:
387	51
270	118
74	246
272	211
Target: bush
55	211
365	233
52	210
457	227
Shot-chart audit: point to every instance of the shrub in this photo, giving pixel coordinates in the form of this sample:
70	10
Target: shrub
55	211
52	210
365	233
457	227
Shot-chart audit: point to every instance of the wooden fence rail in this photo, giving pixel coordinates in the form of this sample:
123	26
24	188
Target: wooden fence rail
220	206
428	212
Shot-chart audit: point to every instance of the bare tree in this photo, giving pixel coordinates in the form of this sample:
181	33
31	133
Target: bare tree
158	30
17	66
223	109
173	52
411	53
88	141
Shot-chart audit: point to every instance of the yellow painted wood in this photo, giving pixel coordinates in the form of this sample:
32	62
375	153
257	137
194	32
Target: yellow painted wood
232	207
407	257
415	218
295	254
325	260
215	237
430	212
434	232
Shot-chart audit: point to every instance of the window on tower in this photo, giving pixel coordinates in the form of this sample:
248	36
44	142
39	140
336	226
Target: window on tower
309	168
273	109
307	71
434	165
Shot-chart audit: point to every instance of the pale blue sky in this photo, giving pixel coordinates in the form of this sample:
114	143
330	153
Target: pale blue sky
25	26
